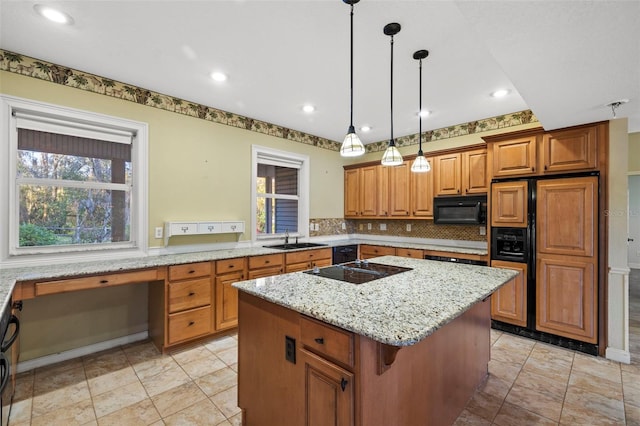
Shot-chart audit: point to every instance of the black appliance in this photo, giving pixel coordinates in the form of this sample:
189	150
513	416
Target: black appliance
358	272
466	210
519	245
9	329
344	254
455	260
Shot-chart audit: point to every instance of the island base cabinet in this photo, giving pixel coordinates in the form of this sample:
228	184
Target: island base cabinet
428	383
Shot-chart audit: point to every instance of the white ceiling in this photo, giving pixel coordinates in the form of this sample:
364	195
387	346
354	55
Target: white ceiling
564	60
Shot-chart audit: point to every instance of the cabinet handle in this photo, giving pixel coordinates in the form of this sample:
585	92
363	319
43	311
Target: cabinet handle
192	271
319	340
104	281
191	323
545	167
191	293
266	262
343	384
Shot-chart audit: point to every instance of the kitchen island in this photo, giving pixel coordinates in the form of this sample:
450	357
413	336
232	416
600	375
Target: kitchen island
407	349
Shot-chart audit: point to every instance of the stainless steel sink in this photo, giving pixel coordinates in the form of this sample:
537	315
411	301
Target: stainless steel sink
293	246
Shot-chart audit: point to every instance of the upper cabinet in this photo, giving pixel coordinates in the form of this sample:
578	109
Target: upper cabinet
399	199
509	204
535	152
422	193
569	150
361	192
460	173
515	157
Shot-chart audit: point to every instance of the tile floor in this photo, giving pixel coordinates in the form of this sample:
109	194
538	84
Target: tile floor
529	383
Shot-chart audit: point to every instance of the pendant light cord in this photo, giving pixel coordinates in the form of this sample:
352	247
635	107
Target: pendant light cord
351	122
420	111
391	96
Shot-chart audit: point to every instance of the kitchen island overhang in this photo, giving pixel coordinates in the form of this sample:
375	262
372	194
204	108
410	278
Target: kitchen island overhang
411	347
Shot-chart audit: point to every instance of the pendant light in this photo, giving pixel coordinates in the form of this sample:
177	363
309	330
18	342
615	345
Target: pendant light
392	156
351	146
420	164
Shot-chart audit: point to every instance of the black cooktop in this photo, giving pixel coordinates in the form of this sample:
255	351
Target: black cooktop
358	272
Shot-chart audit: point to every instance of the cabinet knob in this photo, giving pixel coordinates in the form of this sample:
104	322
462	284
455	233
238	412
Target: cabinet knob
343	384
191	323
267	262
191	293
104	281
319	340
192	271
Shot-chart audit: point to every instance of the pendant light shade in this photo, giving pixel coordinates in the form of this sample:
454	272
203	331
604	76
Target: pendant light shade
420	164
392	156
351	146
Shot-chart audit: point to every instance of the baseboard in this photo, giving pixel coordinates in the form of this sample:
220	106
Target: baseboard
78	352
618	355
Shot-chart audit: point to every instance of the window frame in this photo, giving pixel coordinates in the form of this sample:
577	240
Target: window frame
10	253
284	159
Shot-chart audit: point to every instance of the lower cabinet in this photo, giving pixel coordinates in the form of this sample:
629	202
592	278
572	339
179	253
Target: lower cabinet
329	396
266	265
412	253
509	302
228	271
368	251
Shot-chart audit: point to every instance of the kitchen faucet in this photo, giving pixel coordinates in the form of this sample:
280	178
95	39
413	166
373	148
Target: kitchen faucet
286	236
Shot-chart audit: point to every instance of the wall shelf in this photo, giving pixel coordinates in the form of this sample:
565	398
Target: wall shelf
201	228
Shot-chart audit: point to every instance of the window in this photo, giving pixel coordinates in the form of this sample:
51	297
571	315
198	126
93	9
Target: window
76	182
280	189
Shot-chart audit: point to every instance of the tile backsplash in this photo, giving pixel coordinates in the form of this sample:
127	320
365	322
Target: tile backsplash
397	228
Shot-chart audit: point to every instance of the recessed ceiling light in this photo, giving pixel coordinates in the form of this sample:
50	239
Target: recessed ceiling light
53	15
218	76
308	108
501	93
424	113
365	128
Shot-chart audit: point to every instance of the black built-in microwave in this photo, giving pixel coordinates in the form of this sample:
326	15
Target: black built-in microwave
464	210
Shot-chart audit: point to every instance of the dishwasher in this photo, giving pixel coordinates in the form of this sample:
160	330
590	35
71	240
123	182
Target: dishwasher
344	254
455	260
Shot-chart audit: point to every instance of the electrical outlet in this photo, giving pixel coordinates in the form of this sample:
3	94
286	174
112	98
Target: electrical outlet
158	231
408	227
383	226
344	226
290	349
360	227
369	226
311	226
316	226
483	230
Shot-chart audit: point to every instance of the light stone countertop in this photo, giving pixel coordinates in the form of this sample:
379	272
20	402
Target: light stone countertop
399	310
10	275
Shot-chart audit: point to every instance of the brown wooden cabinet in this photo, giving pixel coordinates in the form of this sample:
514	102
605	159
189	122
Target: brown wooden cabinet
368	251
399	190
266	265
447	171
572	149
509	302
514	157
475	179
383	191
352	193
509	204
361	192
422	193
190	303
304	260
567	257
412	253
228	271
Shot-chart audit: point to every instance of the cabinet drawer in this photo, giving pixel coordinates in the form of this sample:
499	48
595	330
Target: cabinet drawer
412	253
229	265
189	270
308	255
189	294
232	227
267	260
209	227
183	228
189	324
327	340
96	281
367	251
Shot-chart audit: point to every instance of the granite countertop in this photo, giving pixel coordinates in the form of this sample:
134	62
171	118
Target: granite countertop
10	275
398	310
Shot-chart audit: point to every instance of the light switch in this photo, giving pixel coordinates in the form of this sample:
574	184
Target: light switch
383	226
408	227
369	226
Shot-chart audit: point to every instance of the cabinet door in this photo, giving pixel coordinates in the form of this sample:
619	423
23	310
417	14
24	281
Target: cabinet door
509	204
352	193
383	191
566	297
227	300
515	157
369	191
329	395
422	193
568	150
567	216
509	302
447	171
399	190
474	172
